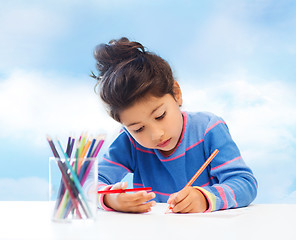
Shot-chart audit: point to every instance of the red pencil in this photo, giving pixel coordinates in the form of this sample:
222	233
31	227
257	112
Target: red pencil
125	190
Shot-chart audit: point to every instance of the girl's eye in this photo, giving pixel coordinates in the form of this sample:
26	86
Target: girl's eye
139	130
161	116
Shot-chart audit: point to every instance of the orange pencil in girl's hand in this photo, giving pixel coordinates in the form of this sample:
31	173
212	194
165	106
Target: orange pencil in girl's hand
196	175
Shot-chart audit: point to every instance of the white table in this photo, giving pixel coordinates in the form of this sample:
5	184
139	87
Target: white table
31	220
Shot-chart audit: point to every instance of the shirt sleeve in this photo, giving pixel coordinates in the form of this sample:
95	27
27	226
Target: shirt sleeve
234	184
114	165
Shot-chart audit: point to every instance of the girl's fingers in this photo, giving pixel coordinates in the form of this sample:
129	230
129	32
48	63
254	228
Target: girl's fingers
129	202
119	185
182	201
183	206
138	198
146	207
171	198
189	200
178	197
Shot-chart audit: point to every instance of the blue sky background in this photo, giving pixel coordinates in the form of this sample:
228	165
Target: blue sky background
234	58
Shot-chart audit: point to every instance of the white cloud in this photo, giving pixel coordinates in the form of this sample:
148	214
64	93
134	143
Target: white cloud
33	105
261	117
25	189
260	114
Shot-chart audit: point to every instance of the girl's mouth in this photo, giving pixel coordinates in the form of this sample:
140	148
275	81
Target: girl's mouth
164	143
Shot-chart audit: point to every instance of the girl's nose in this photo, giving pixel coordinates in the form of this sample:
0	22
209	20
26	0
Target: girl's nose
156	133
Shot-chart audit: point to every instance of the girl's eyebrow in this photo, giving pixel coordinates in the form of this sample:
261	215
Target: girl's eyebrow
134	123
156	109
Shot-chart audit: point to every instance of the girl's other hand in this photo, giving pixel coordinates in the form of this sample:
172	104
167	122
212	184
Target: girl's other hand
188	200
129	202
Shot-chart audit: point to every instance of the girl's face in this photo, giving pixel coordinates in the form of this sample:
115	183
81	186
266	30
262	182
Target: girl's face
155	122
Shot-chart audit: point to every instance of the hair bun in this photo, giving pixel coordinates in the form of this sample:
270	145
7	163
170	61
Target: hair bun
117	51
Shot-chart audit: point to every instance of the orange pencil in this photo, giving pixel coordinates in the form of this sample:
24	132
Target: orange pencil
85	148
83	153
196	175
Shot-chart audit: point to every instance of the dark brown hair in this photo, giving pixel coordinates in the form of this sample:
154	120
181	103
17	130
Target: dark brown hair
128	73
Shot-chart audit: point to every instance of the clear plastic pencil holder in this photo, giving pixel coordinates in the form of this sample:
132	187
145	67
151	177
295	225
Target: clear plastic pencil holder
72	188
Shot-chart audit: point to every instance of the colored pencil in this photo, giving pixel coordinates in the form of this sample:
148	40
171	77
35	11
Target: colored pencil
83	177
70	194
65	176
68	146
75	179
71	147
82	142
98	148
54	150
125	190
85	148
91	148
196	175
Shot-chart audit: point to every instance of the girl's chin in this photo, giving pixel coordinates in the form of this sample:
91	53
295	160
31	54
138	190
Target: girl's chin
167	151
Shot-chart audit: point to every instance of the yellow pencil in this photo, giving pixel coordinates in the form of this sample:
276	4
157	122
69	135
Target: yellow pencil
196	175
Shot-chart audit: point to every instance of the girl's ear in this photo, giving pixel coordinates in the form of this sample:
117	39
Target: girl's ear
177	93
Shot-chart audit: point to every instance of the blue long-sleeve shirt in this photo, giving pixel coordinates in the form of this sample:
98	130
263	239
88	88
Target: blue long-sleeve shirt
226	182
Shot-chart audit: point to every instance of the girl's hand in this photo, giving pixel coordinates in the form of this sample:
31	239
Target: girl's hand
188	200
129	202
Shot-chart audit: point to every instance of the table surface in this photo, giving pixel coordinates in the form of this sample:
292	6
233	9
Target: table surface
32	220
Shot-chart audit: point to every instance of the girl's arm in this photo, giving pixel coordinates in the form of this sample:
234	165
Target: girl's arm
234	184
113	167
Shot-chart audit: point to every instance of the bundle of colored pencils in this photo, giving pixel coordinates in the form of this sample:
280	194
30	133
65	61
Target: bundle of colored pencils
74	171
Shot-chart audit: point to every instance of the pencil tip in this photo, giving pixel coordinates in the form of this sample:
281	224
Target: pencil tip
168	210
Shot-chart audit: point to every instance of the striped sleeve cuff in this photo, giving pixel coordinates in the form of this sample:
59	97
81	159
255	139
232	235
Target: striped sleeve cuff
100	198
211	198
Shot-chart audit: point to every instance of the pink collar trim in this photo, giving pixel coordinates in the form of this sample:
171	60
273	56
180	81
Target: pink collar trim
182	135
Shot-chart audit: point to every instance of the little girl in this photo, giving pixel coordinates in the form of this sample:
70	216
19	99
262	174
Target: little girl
160	144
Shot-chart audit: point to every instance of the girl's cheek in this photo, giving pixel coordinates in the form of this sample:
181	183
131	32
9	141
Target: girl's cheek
144	142
140	140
